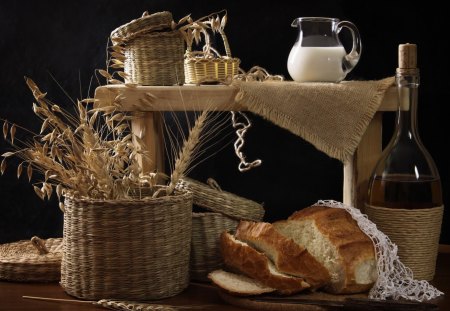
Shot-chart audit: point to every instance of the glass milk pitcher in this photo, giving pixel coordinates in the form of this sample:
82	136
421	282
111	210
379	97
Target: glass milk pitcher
318	55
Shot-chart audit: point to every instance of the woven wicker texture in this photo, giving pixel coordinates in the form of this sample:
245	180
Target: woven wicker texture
205	250
155	59
211	197
137	249
153	51
199	68
416	233
27	261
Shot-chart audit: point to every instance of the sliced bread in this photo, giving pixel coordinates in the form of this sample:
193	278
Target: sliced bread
288	256
238	284
245	259
333	237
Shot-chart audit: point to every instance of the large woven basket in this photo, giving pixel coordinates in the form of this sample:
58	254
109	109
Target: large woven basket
136	249
31	261
223	210
153	51
200	67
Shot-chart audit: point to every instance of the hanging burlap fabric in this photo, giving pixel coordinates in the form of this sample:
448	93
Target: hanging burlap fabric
331	116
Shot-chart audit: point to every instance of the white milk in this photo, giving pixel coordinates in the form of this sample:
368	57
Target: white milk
316	64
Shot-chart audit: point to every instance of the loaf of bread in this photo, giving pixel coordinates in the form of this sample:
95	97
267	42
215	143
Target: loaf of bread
238	284
242	257
333	237
288	256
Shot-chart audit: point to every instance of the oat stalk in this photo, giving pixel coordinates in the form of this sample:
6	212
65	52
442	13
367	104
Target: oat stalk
89	154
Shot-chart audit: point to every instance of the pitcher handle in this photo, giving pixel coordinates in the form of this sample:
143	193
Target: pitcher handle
352	58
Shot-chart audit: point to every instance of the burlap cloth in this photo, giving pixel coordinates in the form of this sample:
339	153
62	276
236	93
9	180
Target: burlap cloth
331	116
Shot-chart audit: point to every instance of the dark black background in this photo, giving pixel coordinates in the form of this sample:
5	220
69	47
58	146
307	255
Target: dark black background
67	39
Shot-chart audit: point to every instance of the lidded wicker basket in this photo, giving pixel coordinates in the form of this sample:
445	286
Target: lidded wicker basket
127	249
223	210
209	65
153	51
31	261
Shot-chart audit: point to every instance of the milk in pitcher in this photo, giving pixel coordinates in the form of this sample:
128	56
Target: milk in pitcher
316	64
318	54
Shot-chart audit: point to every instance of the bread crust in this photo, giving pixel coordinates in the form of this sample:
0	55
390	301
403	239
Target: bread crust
254	264
353	246
288	256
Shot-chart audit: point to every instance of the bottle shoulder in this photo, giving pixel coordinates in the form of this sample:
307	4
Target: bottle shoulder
403	156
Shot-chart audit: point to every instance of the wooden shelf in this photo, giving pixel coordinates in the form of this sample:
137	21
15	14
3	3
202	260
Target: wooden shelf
189	97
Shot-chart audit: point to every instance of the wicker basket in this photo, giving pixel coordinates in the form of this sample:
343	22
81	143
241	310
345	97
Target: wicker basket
205	248
153	51
31	261
224	210
135	249
200	67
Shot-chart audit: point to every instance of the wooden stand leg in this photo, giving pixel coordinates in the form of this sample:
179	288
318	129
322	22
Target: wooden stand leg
149	127
358	171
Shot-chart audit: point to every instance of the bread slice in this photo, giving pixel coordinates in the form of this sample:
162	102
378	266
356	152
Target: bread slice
333	237
288	256
238	284
244	258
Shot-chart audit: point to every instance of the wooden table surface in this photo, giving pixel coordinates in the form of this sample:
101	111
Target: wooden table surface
11	294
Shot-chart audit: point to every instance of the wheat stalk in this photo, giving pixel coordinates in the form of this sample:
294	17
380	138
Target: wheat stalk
186	154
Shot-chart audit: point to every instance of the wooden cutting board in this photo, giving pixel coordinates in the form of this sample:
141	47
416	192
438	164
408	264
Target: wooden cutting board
249	303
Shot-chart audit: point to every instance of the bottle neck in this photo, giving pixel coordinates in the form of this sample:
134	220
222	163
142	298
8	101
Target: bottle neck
408	87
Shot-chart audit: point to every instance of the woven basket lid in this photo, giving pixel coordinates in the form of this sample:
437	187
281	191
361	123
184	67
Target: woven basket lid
35	260
148	22
211	197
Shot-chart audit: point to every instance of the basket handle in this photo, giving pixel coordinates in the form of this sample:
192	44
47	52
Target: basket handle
225	43
39	245
207	39
213	184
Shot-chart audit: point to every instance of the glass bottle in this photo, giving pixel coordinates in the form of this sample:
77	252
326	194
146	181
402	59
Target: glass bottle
405	184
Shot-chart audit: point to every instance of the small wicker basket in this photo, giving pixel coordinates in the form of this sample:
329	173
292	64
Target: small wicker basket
210	66
224	210
153	51
31	261
134	249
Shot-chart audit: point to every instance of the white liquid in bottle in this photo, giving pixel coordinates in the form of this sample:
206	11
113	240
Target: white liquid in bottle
316	64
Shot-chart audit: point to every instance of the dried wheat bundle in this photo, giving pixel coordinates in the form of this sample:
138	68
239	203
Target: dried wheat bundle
87	155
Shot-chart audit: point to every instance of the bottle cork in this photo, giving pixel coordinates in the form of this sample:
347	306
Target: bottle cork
407	56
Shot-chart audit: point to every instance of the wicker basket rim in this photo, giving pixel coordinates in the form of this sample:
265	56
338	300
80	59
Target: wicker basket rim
226	203
222	192
156	21
179	195
188	58
209	213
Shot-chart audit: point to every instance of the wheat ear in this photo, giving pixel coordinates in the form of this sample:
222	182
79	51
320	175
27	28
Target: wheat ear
187	152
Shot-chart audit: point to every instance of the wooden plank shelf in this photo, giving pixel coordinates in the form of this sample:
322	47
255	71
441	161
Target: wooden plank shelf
190	97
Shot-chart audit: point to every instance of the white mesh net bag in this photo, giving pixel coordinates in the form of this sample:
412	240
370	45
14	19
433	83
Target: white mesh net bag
395	280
